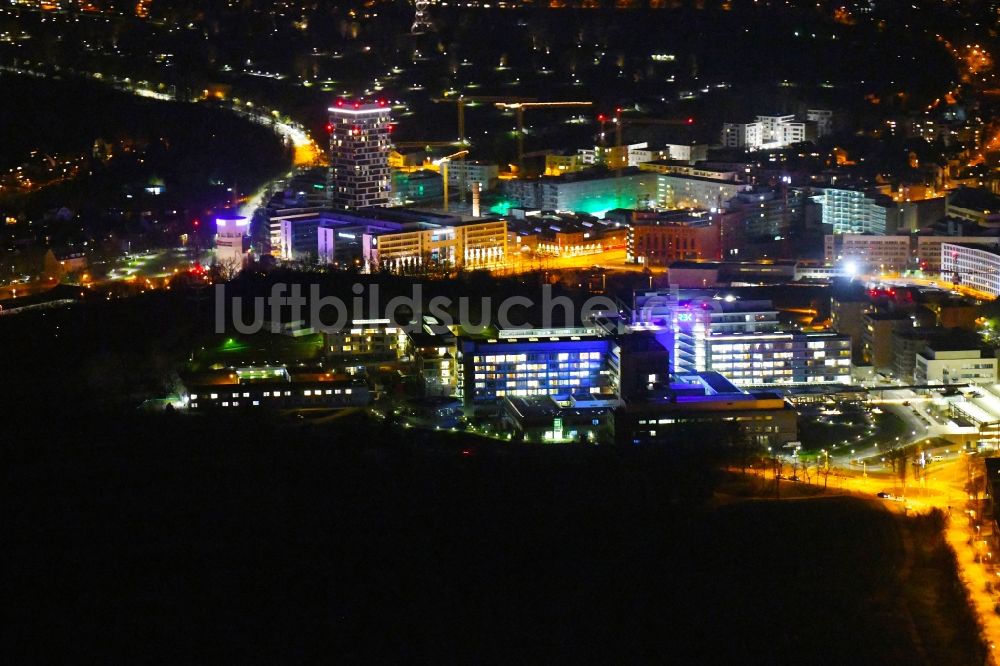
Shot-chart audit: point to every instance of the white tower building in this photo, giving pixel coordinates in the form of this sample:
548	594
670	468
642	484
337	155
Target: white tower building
231	229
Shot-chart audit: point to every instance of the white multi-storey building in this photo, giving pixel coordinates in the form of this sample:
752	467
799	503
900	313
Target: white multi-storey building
868	253
771	127
776	131
740	339
742	135
929	249
231	229
939	364
858	212
359	155
976	266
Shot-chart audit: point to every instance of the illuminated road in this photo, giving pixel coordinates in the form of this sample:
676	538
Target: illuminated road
942	485
937	283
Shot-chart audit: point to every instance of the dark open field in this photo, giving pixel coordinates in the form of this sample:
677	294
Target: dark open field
256	539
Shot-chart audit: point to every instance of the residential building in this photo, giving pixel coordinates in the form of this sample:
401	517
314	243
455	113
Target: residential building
823	118
359	155
683	191
62	262
908	342
557	164
418	185
680	152
770	132
768	213
469	172
851	211
725	173
742	135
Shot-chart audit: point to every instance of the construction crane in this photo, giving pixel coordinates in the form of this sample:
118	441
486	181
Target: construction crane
461	101
621	158
443	163
519	108
423	144
603	119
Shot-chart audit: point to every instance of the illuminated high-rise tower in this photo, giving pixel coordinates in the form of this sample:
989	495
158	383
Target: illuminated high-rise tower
359	155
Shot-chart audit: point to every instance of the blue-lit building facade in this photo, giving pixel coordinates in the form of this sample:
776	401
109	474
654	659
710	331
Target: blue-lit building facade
531	363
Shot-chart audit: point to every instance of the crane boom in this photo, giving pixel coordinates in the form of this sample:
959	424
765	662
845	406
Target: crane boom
621	159
461	101
518	108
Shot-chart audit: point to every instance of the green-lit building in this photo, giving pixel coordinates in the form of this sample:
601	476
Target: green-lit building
593	191
417	185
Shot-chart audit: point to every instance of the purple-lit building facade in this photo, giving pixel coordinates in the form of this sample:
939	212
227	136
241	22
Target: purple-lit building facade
741	338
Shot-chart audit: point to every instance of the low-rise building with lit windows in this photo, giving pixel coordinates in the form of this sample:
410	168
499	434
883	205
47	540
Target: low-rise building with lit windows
868	253
276	388
434	351
707	405
951	362
371	338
